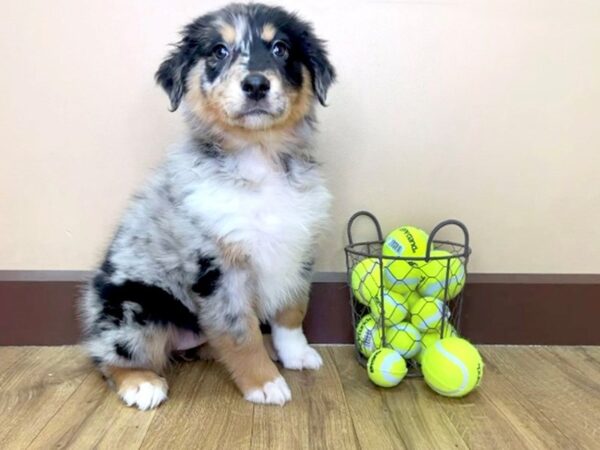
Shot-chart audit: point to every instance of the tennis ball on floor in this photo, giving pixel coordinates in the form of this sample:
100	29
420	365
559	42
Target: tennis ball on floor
401	276
406	242
434	274
428	339
394	308
386	368
452	367
404	338
427	314
365	280
368	336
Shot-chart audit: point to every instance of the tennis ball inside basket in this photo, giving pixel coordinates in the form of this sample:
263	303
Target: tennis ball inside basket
412	298
401	276
428	339
428	313
406	241
452	367
393	307
436	276
365	280
368	336
386	367
404	338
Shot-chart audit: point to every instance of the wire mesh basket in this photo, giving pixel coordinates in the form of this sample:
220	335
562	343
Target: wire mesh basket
405	302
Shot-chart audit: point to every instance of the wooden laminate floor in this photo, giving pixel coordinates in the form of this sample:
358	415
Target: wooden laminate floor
531	397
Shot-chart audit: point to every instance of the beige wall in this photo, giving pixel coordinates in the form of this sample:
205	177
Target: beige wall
486	111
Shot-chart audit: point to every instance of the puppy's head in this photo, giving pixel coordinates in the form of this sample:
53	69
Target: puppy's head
247	68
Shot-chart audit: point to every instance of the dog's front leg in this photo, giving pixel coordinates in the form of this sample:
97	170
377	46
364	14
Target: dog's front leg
289	341
233	332
248	361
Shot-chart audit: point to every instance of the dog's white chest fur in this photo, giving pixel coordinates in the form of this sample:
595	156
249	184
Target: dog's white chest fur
273	218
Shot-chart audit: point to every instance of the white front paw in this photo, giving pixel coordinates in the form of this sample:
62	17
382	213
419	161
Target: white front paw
274	392
293	349
306	358
145	395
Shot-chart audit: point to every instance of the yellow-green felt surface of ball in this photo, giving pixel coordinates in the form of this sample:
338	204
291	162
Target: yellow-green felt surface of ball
452	367
386	367
427	314
438	274
404	338
406	241
368	336
393	306
412	298
366	280
428	339
401	276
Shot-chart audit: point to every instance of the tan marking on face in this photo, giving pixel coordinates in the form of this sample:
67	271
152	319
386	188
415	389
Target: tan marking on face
125	379
227	33
268	32
208	107
246	359
291	317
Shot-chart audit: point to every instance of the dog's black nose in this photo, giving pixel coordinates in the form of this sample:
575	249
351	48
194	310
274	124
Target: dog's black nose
256	86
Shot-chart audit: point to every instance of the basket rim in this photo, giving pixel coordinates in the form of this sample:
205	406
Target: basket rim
350	249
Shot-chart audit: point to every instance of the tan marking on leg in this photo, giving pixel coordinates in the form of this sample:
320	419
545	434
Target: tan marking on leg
268	342
292	316
246	359
268	32
157	345
207	353
233	255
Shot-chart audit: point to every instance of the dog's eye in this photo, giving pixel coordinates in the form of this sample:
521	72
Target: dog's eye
220	51
280	50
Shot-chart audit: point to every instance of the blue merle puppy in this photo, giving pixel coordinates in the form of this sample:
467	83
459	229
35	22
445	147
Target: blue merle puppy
223	235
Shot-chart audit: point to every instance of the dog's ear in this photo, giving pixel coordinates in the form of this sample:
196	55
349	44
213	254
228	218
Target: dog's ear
173	71
321	70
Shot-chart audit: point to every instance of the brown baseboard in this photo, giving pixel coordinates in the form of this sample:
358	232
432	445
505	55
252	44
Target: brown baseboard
38	312
497	309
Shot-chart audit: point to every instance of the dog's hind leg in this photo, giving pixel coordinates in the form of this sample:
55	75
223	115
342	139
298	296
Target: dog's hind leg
132	362
144	389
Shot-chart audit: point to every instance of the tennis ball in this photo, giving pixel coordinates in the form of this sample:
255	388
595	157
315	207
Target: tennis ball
394	308
406	242
401	276
365	280
427	314
452	367
432	337
368	336
386	368
434	274
404	338
412	298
